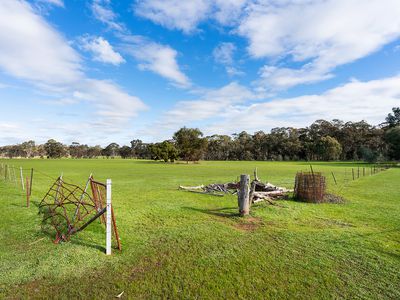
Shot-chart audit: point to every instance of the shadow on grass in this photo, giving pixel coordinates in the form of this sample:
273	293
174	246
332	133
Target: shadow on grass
225	212
87	244
48	230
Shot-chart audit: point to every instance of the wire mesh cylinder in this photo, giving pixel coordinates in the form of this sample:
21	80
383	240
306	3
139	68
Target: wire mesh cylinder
310	187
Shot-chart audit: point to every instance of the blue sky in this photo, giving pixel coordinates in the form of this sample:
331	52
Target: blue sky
102	71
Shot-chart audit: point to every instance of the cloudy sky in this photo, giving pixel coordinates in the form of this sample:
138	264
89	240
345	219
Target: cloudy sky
101	71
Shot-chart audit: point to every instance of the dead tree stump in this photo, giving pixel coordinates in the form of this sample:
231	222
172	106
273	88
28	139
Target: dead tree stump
310	187
243	195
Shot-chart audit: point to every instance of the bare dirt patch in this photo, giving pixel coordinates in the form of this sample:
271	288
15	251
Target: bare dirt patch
249	224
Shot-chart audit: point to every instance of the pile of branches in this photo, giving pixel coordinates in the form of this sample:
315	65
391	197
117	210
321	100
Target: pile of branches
259	191
215	189
268	192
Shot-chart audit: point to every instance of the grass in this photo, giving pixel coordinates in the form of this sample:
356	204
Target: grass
181	245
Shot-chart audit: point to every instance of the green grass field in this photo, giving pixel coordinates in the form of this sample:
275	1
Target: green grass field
181	245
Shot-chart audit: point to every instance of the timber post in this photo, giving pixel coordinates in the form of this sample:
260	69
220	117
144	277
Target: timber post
243	195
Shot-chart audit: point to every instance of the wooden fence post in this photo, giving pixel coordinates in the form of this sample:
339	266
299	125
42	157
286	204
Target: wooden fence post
243	195
28	194
352	171
108	218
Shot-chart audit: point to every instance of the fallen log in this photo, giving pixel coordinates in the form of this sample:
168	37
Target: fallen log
272	193
181	187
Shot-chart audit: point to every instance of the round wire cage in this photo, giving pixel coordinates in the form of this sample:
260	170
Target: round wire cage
310	187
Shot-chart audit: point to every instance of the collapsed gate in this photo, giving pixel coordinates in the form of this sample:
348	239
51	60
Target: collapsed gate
69	209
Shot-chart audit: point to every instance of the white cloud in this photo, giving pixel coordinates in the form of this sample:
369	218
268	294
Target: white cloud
114	105
158	58
234	108
224	54
228	12
59	3
102	11
101	50
10	133
354	101
320	34
174	14
187	15
212	104
274	78
32	50
152	56
329	33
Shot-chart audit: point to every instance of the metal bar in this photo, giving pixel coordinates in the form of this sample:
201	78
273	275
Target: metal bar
98	183
108	223
74	230
81	198
115	229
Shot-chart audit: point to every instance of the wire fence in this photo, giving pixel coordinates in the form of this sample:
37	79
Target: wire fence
66	206
23	179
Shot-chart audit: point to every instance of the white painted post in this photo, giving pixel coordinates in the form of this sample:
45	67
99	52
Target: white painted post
108	218
22	178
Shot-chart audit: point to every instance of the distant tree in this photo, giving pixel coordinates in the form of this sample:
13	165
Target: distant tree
14	151
219	147
94	151
284	142
369	155
329	148
125	152
41	151
111	150
393	120
242	146
54	149
190	143
165	151
29	148
260	145
392	137
140	149
77	150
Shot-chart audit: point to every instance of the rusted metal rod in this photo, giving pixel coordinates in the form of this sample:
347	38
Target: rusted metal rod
75	230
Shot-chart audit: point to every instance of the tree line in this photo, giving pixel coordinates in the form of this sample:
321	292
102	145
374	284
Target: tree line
322	140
